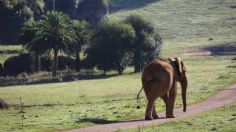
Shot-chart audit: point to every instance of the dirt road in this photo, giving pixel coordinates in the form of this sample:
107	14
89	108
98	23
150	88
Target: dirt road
219	99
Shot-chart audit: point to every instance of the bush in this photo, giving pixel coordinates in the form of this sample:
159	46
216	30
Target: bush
147	41
111	46
65	63
3	104
18	64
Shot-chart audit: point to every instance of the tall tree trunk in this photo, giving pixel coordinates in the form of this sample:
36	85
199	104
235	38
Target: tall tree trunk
78	64
137	62
120	72
55	63
37	62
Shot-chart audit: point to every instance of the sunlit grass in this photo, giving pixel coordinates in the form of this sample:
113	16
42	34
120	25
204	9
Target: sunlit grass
7	51
87	102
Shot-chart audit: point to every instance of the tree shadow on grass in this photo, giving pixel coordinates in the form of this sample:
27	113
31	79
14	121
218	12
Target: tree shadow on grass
233	7
47	80
71	78
116	5
95	121
104	121
92	77
232	66
223	49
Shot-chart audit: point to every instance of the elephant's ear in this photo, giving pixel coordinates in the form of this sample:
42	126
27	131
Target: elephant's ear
179	63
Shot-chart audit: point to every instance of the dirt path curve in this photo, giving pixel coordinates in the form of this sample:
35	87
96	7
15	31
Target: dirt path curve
221	98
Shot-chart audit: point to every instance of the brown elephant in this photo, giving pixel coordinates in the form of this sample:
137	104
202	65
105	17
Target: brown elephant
159	79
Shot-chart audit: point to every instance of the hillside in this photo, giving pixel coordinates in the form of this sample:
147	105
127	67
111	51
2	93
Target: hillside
186	23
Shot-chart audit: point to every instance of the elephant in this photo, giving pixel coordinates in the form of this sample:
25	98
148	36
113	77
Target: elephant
159	79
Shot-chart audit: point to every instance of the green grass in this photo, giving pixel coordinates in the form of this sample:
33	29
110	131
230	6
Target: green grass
59	106
220	120
186	24
117	5
10	48
4	57
8	51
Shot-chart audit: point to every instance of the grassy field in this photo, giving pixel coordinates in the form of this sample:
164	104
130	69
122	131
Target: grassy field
8	51
67	105
220	120
59	106
184	24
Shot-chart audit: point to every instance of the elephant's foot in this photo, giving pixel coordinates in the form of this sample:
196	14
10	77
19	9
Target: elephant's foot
170	116
148	118
155	116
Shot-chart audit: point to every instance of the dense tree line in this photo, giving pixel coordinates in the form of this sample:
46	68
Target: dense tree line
15	13
109	45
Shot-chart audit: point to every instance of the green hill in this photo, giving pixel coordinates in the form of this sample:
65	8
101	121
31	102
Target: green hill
188	23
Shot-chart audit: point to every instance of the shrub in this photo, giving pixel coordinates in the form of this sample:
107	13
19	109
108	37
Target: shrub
111	46
3	104
18	64
65	63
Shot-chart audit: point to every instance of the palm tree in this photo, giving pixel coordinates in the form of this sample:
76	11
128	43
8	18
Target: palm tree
55	32
52	33
82	36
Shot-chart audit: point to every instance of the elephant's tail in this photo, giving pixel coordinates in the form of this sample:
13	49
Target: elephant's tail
138	100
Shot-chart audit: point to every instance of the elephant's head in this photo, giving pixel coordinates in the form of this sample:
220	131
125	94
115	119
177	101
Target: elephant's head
182	78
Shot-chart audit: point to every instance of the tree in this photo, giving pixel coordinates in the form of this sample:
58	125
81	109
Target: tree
11	20
147	42
14	14
83	34
56	33
66	6
92	10
111	46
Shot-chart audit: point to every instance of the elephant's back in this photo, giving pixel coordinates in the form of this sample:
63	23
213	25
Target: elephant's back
159	71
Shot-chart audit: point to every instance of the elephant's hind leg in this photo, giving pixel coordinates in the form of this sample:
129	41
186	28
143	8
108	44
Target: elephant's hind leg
149	110
153	91
154	113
